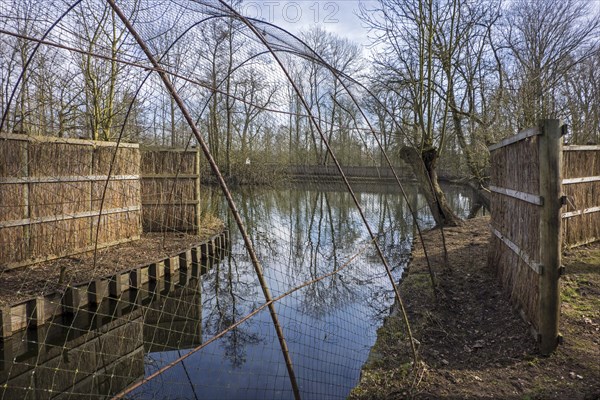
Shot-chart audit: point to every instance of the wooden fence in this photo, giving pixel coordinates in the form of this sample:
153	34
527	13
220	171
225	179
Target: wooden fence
330	172
52	197
529	224
170	189
525	222
581	186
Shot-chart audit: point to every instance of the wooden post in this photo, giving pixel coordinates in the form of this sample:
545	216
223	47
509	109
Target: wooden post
550	163
25	172
197	192
5	322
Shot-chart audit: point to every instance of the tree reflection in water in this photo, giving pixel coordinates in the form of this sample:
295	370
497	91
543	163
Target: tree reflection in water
300	235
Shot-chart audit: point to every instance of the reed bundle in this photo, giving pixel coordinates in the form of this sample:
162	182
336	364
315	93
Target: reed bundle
170	190
516	167
585	227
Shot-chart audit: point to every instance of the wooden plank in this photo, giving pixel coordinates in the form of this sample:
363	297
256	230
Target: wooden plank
26	201
144	275
516	138
581	148
156	271
114	286
5	322
18	316
169	176
171	265
54	139
527	197
174	202
580	212
586	179
197	192
55	218
535	266
170	149
584	242
36	310
125	281
75	297
185	260
135	278
52	305
61	179
99	289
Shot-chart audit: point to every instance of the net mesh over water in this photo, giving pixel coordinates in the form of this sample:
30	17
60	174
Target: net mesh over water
129	267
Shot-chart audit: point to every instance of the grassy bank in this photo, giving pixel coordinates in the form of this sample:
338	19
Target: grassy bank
471	343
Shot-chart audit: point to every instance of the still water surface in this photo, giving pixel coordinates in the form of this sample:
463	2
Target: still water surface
301	233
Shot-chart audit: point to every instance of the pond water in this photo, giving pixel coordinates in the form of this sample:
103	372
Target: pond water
301	233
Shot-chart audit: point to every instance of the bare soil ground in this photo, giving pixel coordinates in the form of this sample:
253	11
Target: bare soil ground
44	278
471	343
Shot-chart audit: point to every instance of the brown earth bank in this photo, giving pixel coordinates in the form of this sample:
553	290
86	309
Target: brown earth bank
470	341
54	276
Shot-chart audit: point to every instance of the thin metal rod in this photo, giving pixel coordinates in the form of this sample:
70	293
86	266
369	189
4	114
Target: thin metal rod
232	206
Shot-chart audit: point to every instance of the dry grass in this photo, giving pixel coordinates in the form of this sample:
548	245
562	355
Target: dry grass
58	159
519	280
472	344
581	163
12	153
126	162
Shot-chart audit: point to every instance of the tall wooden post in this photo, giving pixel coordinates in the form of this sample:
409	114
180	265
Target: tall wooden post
550	164
197	191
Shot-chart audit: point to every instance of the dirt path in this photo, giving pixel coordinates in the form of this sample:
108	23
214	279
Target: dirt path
472	344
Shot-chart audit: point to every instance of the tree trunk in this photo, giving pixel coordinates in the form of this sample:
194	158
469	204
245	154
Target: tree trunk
424	168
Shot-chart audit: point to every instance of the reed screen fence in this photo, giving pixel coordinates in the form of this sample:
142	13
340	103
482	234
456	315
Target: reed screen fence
53	191
581	186
170	184
530	223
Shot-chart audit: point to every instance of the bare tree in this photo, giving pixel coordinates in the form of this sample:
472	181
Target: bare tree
545	40
104	80
581	94
326	95
410	65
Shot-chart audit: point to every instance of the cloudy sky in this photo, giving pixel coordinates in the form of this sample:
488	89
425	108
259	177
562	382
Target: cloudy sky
335	16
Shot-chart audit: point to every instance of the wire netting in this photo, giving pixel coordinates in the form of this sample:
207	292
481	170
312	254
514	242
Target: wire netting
175	220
